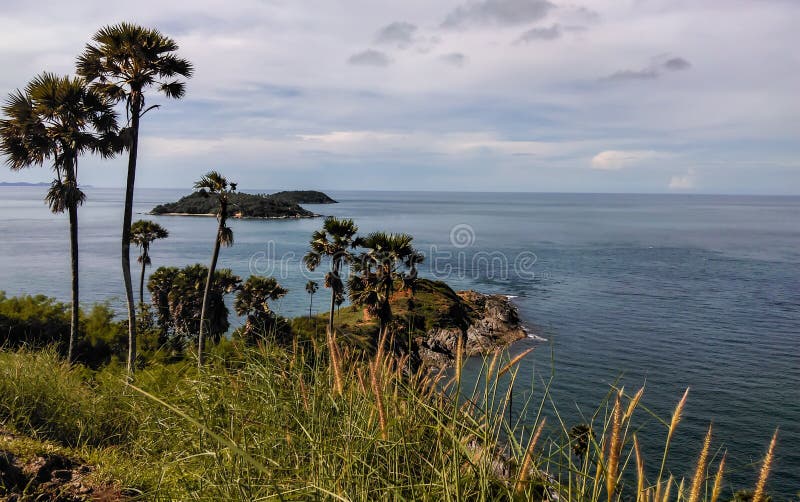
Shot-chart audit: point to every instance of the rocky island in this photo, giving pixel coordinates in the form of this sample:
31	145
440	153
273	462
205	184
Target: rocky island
244	205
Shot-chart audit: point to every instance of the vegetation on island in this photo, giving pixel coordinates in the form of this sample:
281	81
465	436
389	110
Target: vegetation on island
327	407
245	205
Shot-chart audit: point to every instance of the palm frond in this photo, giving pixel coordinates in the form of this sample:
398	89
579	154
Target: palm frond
226	236
63	195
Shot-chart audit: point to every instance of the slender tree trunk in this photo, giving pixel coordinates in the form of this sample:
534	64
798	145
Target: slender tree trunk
73	248
141	280
126	234
310	305
201	338
335	271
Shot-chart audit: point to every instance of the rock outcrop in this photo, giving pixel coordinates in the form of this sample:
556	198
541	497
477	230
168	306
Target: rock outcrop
493	322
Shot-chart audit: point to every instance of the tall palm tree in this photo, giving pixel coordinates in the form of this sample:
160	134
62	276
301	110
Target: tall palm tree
253	299
123	62
57	119
143	233
216	185
311	288
389	262
335	241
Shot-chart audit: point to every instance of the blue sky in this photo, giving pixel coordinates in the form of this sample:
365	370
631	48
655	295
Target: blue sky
518	95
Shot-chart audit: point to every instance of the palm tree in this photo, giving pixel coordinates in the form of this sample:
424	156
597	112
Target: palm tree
143	233
311	288
124	61
379	272
177	298
334	240
253	300
58	119
214	184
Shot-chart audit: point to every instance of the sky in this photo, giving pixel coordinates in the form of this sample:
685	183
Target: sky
682	96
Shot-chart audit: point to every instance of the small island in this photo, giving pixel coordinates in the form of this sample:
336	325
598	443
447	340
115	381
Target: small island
280	205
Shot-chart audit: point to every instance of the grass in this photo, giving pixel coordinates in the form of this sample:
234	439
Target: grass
265	423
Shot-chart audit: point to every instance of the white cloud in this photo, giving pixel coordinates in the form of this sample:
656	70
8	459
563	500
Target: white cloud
614	160
686	181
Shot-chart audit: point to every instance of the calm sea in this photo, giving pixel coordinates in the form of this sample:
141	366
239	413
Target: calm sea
666	291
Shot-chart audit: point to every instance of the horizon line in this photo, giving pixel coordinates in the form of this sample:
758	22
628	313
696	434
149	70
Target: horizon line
547	192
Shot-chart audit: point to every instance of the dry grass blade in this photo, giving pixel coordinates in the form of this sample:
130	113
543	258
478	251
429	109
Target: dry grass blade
676	418
700	471
304	395
718	480
668	489
526	461
376	389
514	361
614	447
492	364
758	494
633	404
641	496
459	361
677	414
334	358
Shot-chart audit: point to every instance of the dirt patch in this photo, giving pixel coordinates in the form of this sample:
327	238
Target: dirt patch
50	477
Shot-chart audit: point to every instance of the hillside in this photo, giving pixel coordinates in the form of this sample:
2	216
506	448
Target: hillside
244	205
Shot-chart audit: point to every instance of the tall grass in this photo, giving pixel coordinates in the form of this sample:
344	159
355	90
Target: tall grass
263	423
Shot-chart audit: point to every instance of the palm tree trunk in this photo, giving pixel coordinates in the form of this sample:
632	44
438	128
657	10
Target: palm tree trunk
141	281
126	234
335	271
73	248
201	339
310	305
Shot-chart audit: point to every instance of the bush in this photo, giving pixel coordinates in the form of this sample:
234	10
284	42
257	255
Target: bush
39	321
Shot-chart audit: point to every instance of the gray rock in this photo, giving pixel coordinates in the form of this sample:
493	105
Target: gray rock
495	324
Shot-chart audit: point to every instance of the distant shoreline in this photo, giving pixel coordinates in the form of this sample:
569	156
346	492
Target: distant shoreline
204	215
18	184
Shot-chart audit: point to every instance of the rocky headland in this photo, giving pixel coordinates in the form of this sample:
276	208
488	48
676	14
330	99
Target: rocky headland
492	323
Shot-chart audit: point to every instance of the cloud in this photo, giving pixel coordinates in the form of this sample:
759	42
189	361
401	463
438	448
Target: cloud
646	74
614	160
369	57
533	34
497	13
686	181
399	33
455	58
652	72
676	64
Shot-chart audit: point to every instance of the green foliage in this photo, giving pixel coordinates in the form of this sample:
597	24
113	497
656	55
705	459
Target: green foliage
252	300
103	338
388	264
33	320
39	321
177	296
51	399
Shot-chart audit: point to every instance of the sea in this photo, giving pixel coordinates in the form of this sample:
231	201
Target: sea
662	291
